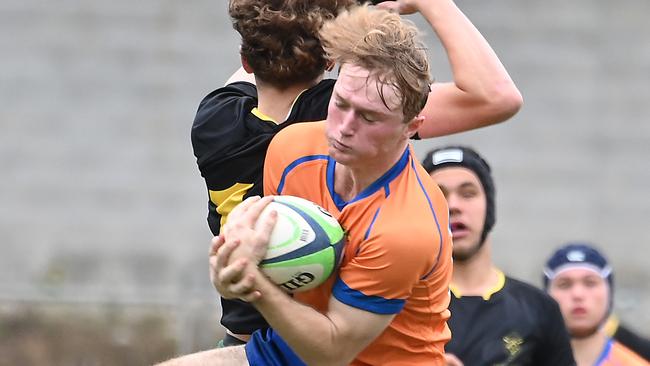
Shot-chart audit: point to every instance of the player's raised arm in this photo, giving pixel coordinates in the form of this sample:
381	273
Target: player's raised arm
482	93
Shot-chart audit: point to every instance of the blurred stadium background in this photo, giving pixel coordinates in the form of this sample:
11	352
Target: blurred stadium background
102	209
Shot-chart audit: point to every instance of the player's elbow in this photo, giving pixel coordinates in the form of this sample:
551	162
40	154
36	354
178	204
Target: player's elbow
505	101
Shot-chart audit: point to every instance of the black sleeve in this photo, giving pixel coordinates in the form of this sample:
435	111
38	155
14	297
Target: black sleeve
556	349
227	152
633	341
220	118
241	317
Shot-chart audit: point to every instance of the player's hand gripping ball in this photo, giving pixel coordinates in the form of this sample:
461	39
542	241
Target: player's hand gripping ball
305	246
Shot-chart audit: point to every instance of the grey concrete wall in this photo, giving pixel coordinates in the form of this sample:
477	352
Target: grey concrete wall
100	199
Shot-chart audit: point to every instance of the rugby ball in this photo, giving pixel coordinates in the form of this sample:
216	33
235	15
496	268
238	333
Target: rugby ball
305	246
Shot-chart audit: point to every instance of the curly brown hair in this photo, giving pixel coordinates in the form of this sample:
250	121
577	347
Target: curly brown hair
280	38
388	46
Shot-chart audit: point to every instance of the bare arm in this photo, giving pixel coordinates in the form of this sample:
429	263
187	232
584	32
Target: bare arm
333	338
482	92
228	356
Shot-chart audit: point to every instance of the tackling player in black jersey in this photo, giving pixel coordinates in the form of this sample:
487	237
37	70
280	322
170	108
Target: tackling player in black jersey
280	83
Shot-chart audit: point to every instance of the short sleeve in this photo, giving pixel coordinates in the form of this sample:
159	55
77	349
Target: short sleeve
384	272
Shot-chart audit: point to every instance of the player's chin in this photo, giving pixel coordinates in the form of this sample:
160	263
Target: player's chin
341	157
464	249
583	330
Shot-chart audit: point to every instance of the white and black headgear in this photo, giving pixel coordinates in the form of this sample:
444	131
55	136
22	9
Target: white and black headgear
466	157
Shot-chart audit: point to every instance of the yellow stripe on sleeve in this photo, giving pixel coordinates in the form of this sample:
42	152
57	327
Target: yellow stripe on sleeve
228	198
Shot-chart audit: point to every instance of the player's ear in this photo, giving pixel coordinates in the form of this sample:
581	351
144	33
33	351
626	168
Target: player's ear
414	125
244	63
329	66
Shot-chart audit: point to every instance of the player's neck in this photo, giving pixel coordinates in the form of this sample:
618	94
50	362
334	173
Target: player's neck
350	180
587	350
477	275
275	102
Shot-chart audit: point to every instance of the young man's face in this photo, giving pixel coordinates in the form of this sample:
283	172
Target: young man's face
361	130
583	296
467	208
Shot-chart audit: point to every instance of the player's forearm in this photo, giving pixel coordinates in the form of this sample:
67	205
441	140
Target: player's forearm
310	334
230	356
476	69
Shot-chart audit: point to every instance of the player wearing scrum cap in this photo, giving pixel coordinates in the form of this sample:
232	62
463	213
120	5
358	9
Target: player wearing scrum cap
580	279
495	319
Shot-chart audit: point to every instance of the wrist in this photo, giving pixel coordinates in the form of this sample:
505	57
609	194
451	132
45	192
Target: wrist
265	287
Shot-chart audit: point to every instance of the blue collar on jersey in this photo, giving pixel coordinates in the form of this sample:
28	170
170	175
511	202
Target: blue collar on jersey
382	182
605	353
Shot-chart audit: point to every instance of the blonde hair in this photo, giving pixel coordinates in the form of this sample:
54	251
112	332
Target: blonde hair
386	45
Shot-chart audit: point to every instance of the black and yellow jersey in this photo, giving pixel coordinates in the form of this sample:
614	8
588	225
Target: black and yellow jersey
230	137
513	324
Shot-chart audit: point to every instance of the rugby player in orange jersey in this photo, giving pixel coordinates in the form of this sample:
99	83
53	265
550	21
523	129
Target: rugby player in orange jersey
388	303
281	47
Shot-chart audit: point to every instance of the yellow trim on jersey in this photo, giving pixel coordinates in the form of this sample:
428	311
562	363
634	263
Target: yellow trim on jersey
257	113
611	325
501	281
227	199
455	290
294	102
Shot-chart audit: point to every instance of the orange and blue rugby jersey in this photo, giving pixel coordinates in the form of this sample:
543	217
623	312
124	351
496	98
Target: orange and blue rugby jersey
397	258
616	354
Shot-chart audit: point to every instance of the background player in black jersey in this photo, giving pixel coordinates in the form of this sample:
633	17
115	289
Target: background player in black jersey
495	319
281	48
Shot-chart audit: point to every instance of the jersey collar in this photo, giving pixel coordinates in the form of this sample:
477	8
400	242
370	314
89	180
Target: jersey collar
259	114
381	183
501	281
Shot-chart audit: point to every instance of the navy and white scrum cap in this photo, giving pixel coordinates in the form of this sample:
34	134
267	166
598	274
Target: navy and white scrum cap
577	255
466	157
